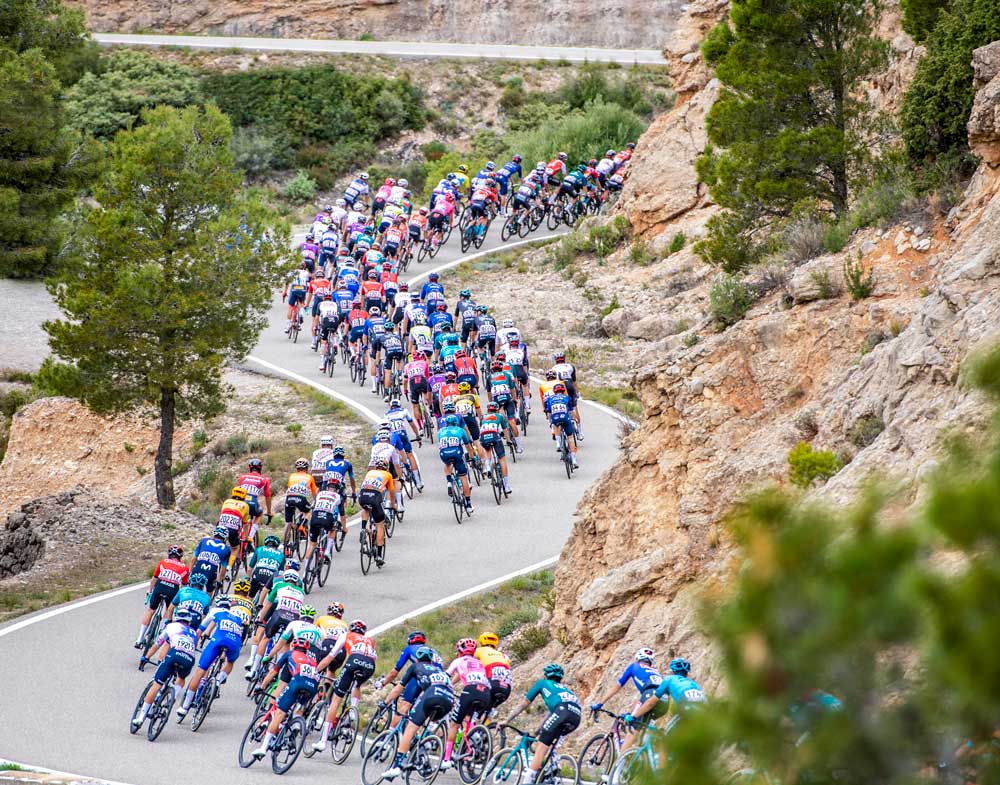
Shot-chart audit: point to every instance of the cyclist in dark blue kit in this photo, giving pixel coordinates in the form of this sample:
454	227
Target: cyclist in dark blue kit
646	679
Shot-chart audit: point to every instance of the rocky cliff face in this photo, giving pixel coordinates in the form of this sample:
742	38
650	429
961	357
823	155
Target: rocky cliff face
877	381
557	23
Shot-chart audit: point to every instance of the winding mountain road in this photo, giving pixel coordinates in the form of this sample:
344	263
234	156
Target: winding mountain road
407	49
68	674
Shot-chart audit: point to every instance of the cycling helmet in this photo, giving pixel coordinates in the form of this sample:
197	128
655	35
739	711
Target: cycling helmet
356	302
183	615
363	176
540	169
334	482
507	323
450	376
489	639
424	211
466	646
307	612
492	407
559	356
301	644
223	602
464	387
680	666
338	451
515	341
559	388
452	420
481	309
437	368
342	284
550	376
198	580
449	408
404	286
175	552
293	564
394	404
562	156
449	197
450	177
221	532
335	609
272	541
301	464
375	311
290	576
609	154
340	203
432	277
645	655
242	586
321	273
381	464
415	637
402	182
496	365
516	159
465	294
424	654
359	627
460	353
442	306
553	671
631	145
372	275
463	168
490	166
592	162
310	236
389	181
501	356
326	440
239	492
255	464
383	436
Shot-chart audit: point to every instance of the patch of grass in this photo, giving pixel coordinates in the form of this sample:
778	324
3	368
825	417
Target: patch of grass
294	428
236	445
690	339
16	376
614	305
623	399
531	641
640	254
322	404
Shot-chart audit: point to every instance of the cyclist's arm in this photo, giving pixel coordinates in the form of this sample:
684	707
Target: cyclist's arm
612	691
647	705
525	703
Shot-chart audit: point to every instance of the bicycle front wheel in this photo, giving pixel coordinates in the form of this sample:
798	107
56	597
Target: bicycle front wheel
478	746
504	768
630	769
251	738
596	759
378	723
344	736
560	771
379	757
425	761
367	553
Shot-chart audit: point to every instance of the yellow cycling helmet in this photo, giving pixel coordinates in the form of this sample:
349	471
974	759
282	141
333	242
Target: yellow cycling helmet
463	168
464	387
239	493
242	586
489	639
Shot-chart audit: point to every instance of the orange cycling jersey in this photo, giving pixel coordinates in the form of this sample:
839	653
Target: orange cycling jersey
300	484
394	235
361	645
378	480
448	392
418	220
331	626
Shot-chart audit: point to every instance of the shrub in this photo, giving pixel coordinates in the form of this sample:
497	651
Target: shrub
690	339
612	306
866	430
57	378
236	444
824	285
859	283
529	642
728	300
256	152
803	238
676	243
199	439
731	244
806	465
515	620
301	188
513	96
605	238
920	16
640	254
415	172
434	149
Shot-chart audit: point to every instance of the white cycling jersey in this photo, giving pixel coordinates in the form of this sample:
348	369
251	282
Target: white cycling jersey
506	334
384	450
320	457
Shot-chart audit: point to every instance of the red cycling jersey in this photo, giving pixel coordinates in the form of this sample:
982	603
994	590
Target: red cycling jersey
255	484
357	317
372	289
171	571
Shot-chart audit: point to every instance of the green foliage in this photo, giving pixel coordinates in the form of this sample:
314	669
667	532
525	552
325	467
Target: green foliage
866	430
806	465
434	149
237	445
56	378
728	300
732	243
513	96
581	133
530	641
592	84
937	104
301	188
920	16
624	399
676	243
256	152
155	289
612	306
414	172
824	284
41	166
57	31
859	283
131	81
640	254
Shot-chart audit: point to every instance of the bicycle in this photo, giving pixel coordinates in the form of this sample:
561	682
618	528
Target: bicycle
472	751
286	745
242	559
207	692
345	347
421	765
331	357
159	711
318	566
425	422
496	481
564	454
507	765
344	733
296	325
368	544
601	750
476	465
297	536
148	639
456	493
508	438
637	764
522	411
378	722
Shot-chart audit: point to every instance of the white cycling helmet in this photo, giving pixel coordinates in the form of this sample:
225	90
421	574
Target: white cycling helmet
326	441
363	175
402	182
507	324
644	655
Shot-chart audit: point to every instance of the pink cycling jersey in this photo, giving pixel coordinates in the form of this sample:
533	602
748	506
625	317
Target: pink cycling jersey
469	670
446	208
417	369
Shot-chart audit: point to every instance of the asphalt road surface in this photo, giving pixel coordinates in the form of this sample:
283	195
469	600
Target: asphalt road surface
414	49
70	680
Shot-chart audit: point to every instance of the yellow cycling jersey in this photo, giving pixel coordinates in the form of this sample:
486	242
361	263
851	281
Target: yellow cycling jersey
331	626
545	388
242	607
461	179
487	655
467	404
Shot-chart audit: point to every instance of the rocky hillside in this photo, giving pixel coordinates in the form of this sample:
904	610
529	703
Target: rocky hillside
877	381
558	23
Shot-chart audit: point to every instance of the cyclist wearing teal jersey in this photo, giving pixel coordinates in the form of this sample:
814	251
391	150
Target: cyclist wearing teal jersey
564	714
676	686
267	561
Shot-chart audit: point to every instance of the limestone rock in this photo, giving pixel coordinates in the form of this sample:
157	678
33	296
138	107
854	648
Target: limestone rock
984	120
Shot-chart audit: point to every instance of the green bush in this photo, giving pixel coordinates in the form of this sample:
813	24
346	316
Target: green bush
414	172
676	243
57	378
101	104
806	465
530	641
731	244
728	300
513	96
858	283
640	254
434	149
920	16
612	306
301	188
257	152
936	107
866	430
591	84
236	445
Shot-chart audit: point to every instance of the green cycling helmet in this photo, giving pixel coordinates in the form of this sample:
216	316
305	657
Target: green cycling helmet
553	671
307	612
272	541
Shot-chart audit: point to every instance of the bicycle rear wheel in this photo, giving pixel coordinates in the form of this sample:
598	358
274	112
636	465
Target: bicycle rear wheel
312	567
596	759
287	751
134	729
561	771
323	572
496	480
314	722
367	545
629	769
379	757
457	500
252	737
160	712
390	522
504	768
344	736
339	535
378	723
425	760
564	450
478	747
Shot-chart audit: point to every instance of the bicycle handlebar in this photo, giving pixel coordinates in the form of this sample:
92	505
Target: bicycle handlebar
595	712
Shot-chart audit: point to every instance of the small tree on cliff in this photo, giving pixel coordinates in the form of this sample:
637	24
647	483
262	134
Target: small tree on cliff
168	277
788	129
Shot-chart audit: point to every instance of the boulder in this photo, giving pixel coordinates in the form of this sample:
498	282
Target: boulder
616	585
984	120
616	323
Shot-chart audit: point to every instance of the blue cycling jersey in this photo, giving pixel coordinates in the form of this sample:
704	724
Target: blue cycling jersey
430	286
559	406
193	600
228	625
642	676
451	438
340	468
210	555
409	650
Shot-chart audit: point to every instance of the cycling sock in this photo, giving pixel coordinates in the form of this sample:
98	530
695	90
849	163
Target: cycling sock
506	484
529	775
354	700
329	549
188	699
177	688
142	631
222	677
399	500
253	532
448	747
144	712
267	740
327	727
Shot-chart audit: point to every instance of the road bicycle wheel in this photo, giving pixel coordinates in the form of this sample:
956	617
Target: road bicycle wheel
378	723
379	757
510	228
457	500
367	547
553	217
362	371
596	759
339	535
134	729
476	752
522	417
630	769
425	760
288	745
353	367
390	522
302	543
568	216
314	722
477	473
252	738
496	480
560	770
323	572
312	568
466	239
504	768
511	451
160	711
344	736
208	690
422	252
152	630
565	454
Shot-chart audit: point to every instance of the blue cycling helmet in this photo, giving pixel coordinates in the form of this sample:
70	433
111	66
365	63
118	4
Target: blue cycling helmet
553	671
680	666
221	531
424	654
198	580
452	420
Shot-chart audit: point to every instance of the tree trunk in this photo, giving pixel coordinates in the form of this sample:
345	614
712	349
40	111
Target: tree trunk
165	450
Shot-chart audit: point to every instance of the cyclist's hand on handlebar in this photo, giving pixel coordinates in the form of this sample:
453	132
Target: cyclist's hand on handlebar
596	707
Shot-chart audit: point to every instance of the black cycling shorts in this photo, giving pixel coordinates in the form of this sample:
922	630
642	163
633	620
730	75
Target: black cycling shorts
417	388
562	720
320	522
357	670
277	624
372	502
433	704
293	503
474	699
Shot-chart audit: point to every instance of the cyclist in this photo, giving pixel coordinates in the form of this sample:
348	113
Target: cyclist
397	419
564	714
234	517
453	440
414	641
566	372
329	242
193	599
357	189
324	516
461	176
486	330
466	371
309	250
225	638
442	212
516	355
168	576
559	408
382	195
482	205
469	673
646	679
326	321
394	237
435	700
500	387
497	666
416	371
433	285
281	607
317	463
465	311
303	627
333	627
555	169
340	468
358	668
268	560
416	226
297	668
508	173
357	322
676	686
256	484
378	483
507	332
301	490
468	409
527	194
491	431
319	292
211	556
375	328
176	665
392	362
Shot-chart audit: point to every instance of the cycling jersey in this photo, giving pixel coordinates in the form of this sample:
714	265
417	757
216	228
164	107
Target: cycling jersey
331	627
301	484
344	299
172	572
379	481
227	624
554	167
565	371
553	693
360	645
209	555
559	406
416	370
451	440
407	655
194	600
495	662
327	502
234	513
242	607
501	386
430	286
300	628
287	599
642	676
255	484
357	188
268	559
469	671
467	404
319	458
320	287
681	690
340	468
493	427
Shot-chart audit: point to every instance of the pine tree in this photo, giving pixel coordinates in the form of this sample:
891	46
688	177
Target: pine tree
170	276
